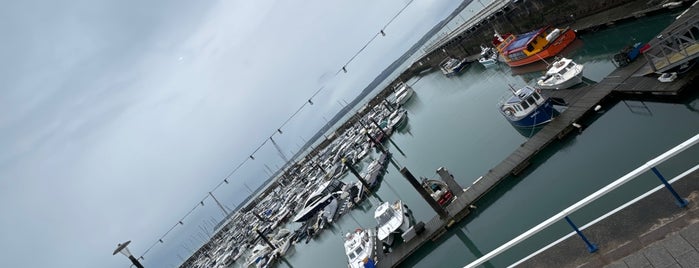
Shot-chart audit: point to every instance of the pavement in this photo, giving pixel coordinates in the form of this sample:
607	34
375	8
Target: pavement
653	232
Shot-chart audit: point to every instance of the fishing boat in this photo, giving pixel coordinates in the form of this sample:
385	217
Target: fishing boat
359	246
525	107
488	56
403	93
526	48
438	190
451	66
393	219
562	74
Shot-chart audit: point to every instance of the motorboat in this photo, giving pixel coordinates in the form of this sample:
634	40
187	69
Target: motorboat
318	199
397	119
562	74
488	57
438	190
258	256
451	66
403	93
330	211
525	107
392	219
359	245
530	47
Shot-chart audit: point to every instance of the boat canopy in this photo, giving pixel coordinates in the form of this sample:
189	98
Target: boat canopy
523	40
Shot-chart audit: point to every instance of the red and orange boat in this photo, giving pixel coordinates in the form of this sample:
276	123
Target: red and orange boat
518	50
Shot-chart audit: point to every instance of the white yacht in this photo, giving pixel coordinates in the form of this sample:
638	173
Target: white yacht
403	93
393	218
317	200
562	74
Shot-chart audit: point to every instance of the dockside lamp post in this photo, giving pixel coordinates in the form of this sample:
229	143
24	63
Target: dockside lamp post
123	249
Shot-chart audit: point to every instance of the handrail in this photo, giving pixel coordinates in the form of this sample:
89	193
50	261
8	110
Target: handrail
594	196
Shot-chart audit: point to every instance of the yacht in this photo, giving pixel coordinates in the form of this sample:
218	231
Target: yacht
318	199
403	93
397	119
392	219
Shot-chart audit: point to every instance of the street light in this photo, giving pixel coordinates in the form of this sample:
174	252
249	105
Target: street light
123	249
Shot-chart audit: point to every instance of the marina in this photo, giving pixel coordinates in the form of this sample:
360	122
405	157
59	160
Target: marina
583	105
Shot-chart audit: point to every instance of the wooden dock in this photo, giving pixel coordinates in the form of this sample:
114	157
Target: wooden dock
581	103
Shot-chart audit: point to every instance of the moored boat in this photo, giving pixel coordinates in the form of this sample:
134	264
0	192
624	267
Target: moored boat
488	56
438	190
317	200
359	246
562	74
397	119
526	48
451	66
403	93
392	219
525	107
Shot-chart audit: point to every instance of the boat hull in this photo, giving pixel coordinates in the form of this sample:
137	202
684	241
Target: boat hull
577	79
542	115
556	46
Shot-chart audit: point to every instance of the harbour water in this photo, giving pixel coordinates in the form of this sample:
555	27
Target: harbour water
453	122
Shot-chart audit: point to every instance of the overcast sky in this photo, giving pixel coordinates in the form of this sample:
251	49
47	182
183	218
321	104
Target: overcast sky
117	117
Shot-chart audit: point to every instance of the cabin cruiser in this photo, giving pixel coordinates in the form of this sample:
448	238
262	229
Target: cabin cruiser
562	74
525	107
397	119
359	246
451	66
393	218
403	93
318	199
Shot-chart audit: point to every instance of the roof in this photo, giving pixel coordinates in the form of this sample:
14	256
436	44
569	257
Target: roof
523	40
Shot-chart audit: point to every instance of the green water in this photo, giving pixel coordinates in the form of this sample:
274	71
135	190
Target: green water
454	123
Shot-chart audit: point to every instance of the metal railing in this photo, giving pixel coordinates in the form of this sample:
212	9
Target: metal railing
650	165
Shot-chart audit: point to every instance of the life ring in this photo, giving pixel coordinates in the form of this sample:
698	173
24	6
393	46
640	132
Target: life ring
509	111
357	230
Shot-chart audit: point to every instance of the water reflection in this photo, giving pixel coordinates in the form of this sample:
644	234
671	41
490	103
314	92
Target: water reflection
471	246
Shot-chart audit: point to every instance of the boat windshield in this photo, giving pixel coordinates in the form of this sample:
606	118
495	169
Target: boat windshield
385	217
358	251
531	100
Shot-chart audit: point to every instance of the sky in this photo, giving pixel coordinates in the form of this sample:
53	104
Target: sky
118	117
